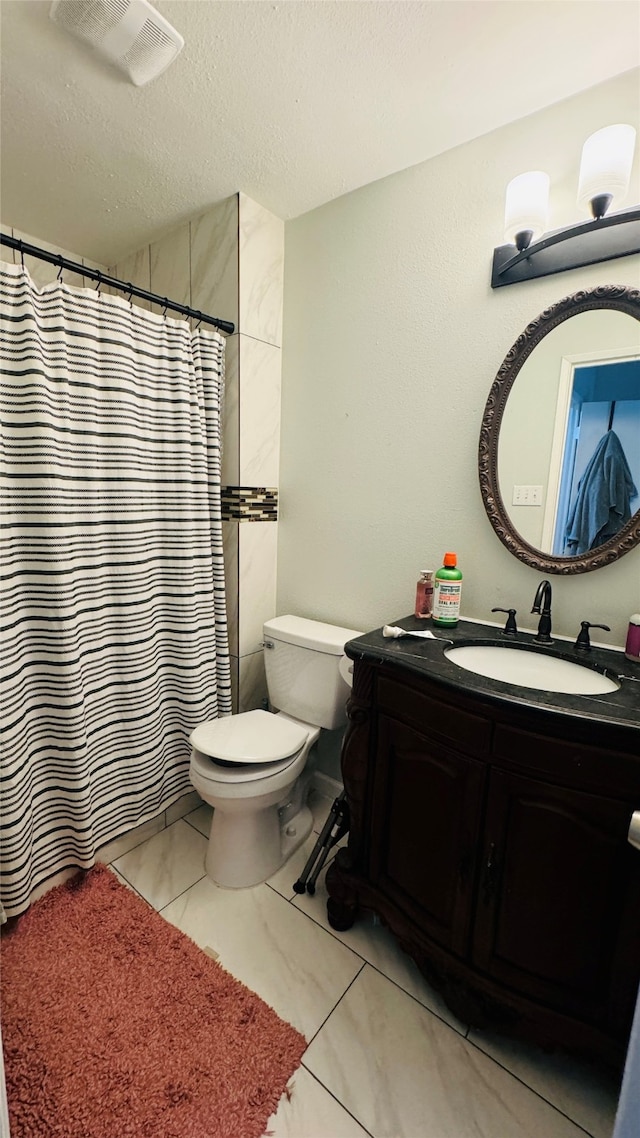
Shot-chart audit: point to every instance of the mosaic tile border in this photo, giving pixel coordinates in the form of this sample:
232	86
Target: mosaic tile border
249	504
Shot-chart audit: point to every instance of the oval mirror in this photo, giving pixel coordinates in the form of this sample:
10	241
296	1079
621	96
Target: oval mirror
559	455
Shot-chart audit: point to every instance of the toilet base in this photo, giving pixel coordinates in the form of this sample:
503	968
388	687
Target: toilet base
247	849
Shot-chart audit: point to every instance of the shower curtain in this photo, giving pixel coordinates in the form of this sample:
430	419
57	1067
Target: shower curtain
114	624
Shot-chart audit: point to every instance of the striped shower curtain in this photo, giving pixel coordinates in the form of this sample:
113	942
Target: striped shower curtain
113	613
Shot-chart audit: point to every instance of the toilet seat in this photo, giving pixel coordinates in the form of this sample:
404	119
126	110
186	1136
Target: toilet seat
206	767
254	744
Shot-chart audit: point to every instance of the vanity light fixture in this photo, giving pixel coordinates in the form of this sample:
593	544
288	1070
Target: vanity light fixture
531	252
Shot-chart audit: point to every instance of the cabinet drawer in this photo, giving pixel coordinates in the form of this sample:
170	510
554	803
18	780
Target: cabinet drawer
433	716
572	764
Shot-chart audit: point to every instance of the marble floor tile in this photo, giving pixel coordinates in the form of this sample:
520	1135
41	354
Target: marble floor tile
119	846
415	1077
201	818
165	865
585	1092
293	964
377	945
311	1112
183	806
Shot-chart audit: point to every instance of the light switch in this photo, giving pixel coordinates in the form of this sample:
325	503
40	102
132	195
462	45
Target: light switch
527	496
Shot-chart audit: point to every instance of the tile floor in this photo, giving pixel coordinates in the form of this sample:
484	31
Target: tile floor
386	1058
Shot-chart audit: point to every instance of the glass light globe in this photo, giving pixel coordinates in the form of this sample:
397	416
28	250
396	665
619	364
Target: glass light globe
605	169
526	206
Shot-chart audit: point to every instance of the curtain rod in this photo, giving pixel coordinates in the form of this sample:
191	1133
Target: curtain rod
73	267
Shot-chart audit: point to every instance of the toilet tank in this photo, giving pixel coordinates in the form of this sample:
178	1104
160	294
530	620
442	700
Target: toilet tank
301	661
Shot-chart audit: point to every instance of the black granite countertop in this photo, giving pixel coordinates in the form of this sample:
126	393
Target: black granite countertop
427	657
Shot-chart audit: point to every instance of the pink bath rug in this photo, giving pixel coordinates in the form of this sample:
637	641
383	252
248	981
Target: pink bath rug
116	1025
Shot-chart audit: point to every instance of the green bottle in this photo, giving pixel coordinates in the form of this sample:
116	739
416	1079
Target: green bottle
446	593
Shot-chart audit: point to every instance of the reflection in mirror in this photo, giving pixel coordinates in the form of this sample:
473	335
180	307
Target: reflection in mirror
595	487
559	451
584	373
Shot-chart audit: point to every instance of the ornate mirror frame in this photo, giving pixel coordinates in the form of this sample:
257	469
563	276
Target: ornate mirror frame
620	297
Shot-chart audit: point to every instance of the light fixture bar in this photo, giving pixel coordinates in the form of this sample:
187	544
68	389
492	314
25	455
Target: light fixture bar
588	243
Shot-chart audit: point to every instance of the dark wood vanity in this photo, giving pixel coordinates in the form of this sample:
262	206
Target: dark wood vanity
489	832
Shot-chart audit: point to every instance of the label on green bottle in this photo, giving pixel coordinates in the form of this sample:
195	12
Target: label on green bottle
446	600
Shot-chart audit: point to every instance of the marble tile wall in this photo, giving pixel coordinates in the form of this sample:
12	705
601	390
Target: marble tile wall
261	272
260	291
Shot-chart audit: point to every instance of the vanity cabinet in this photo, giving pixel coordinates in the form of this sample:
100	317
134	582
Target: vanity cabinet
497	853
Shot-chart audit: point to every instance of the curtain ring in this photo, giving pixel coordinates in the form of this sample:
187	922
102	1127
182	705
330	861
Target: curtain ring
130	296
59	267
199	315
21	248
166	305
99	282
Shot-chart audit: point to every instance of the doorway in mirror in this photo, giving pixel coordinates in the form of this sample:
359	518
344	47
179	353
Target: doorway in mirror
596	453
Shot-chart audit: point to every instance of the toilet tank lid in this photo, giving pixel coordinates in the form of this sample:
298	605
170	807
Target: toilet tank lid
329	638
251	737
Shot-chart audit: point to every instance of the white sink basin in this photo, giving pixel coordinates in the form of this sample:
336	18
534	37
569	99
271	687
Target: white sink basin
530	669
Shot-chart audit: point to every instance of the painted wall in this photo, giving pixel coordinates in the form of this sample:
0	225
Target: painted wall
392	338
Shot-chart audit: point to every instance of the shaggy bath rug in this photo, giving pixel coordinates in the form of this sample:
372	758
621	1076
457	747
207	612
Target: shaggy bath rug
116	1025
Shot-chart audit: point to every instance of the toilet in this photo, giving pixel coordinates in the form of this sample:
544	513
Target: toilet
254	768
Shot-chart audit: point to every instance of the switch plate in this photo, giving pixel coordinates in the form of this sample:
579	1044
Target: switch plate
527	496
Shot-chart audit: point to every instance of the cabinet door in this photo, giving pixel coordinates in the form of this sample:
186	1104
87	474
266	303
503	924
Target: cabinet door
426	810
559	899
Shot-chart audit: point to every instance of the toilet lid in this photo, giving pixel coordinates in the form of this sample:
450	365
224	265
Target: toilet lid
251	737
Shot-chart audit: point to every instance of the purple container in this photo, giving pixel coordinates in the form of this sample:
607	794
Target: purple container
632	647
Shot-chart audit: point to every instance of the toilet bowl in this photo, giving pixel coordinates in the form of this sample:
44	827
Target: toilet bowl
251	796
254	767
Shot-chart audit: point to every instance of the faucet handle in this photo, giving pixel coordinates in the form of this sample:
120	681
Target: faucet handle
583	643
510	628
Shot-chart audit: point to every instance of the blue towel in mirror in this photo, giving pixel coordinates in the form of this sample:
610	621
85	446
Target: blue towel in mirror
602	504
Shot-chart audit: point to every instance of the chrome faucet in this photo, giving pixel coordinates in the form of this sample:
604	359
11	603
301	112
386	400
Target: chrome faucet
543	598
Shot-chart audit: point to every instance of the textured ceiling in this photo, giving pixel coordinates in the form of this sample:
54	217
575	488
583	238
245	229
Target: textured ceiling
294	103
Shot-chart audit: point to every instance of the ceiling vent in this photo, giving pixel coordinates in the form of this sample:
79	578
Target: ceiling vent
129	33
